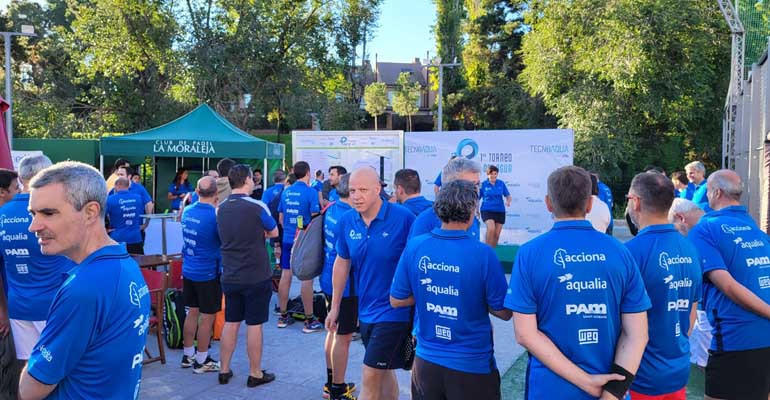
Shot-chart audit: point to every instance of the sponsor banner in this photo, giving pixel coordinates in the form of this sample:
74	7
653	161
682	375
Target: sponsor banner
525	158
351	149
17	155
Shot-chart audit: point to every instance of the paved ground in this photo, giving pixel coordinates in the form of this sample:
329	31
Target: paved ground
296	358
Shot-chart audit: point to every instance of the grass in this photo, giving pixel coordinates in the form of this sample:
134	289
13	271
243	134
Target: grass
512	384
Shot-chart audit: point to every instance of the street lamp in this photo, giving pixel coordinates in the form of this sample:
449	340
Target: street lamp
437	63
26	30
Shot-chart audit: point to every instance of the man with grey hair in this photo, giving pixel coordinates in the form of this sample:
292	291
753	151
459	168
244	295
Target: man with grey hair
579	304
696	189
454	353
455	169
684	214
96	331
735	256
33	277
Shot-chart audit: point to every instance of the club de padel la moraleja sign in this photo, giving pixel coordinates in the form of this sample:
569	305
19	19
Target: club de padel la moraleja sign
197	147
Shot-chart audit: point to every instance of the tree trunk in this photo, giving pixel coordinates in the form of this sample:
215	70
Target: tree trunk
375	123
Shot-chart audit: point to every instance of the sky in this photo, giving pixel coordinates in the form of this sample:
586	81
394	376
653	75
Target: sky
404	30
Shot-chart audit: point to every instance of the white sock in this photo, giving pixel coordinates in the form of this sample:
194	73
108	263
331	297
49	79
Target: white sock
189	351
200	357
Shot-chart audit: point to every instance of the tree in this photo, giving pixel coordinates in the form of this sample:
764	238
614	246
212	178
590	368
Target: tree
449	44
406	97
376	100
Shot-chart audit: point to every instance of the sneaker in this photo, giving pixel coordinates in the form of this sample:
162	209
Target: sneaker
210	365
356	336
346	396
313	325
224	378
351	387
266	378
285	320
187	362
276	310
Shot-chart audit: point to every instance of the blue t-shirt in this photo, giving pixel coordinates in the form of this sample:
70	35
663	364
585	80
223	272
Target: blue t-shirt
417	204
297	201
33	278
136	189
699	195
200	251
92	346
670	268
729	240
331	234
124	209
333	195
178	190
373	252
605	195
578	282
492	196
454	280
317	185
271	193
428	221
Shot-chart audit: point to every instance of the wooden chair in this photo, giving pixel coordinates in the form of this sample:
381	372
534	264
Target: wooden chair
175	274
157	282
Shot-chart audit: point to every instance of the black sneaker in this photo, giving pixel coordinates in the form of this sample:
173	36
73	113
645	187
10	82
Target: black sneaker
210	365
224	378
187	362
266	378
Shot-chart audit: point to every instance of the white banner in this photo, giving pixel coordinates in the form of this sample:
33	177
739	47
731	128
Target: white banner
350	149
17	155
525	159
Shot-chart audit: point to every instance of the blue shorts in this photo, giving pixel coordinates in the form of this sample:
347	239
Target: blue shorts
384	344
247	302
286	255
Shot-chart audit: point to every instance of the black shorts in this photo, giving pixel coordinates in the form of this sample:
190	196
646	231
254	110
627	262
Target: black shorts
743	375
433	382
206	296
384	344
250	303
347	321
498	217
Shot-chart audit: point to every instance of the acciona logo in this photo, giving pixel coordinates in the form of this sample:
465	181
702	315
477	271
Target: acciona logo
426	264
562	258
355	235
667	261
732	229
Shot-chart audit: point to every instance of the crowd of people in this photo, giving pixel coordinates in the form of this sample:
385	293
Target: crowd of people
599	318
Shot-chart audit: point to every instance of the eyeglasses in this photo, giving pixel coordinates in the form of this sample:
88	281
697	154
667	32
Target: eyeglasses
632	196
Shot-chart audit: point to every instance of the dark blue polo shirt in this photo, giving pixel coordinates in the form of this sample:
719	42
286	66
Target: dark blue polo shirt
417	204
124	209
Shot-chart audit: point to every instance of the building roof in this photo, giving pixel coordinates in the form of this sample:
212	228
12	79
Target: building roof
388	72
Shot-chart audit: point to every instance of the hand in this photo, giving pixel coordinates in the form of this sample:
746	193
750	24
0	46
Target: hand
508	203
277	252
331	319
594	384
5	323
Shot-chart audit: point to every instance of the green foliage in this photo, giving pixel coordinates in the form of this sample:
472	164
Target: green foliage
406	97
755	16
630	76
376	100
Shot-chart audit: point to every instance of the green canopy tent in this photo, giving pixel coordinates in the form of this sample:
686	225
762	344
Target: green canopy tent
202	133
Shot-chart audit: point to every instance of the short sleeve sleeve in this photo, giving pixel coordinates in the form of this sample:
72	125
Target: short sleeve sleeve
710	257
521	296
172	189
315	206
496	287
144	195
506	193
635	297
65	339
342	240
401	287
267	221
282	204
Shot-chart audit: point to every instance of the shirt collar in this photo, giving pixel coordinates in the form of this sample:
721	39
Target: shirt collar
21	197
449	234
381	215
110	251
732	210
300	183
657	229
414	199
573	224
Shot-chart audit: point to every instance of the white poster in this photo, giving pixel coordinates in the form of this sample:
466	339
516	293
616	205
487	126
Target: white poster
350	149
525	158
17	155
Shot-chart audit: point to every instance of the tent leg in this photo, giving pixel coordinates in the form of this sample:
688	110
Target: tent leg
266	174
101	164
154	177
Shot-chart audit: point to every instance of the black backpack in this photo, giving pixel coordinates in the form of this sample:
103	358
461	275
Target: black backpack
174	314
296	310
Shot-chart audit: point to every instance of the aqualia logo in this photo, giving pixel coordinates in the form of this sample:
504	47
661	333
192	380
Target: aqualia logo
561	257
665	261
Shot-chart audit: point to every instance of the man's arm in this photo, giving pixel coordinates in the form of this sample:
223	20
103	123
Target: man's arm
147	210
280	218
5	323
632	341
32	389
396	303
738	293
504	314
541	346
271	234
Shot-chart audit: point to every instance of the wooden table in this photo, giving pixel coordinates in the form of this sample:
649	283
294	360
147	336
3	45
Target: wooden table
154	261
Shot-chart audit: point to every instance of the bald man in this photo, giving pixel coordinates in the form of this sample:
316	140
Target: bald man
200	268
735	258
375	236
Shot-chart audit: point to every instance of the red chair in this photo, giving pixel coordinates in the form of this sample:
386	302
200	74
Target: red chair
175	273
157	282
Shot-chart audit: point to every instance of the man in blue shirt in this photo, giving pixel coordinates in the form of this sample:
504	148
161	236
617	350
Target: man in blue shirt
407	191
452	280
578	300
338	342
318	182
457	168
123	217
373	237
696	189
330	194
33	277
605	195
735	257
670	268
126	172
272	198
93	343
299	203
200	269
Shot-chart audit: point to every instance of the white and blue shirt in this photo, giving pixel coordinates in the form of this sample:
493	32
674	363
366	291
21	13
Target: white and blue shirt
93	343
729	240
33	278
578	282
670	268
298	201
427	221
417	204
492	196
178	190
331	234
201	257
374	252
123	210
455	280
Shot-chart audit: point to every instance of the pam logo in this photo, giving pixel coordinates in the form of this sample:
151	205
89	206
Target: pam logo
586	309
17	252
355	235
562	258
732	229
679	305
666	261
444	311
757	261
